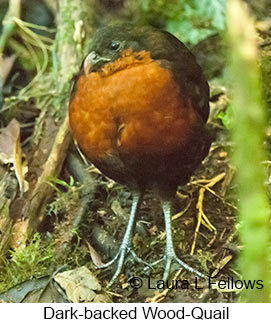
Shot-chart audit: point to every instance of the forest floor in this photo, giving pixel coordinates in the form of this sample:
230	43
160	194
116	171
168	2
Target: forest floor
83	223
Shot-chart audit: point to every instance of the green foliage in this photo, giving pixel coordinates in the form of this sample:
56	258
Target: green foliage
226	117
248	134
28	261
191	20
64	199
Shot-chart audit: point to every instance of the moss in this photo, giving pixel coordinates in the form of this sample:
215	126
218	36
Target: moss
29	261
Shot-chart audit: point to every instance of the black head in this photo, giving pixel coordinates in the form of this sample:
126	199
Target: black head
110	41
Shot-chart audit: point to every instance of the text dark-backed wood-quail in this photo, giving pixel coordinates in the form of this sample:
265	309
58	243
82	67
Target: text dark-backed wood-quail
138	111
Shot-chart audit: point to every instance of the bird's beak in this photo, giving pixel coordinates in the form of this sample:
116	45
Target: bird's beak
92	59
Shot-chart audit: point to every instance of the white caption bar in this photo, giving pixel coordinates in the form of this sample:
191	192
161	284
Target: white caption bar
196	312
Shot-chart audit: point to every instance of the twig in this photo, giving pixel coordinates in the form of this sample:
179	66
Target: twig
202	218
51	168
161	295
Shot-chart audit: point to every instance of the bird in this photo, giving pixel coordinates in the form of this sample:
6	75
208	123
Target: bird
138	111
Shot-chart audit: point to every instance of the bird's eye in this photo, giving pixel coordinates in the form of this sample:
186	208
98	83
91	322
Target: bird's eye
115	45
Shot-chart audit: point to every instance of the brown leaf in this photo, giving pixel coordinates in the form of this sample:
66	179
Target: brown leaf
19	234
79	284
94	255
6	66
153	230
10	149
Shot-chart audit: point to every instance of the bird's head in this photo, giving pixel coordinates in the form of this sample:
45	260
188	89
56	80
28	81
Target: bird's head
109	42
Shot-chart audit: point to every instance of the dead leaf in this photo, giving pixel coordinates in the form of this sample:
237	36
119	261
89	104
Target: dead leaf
11	151
19	234
118	210
79	284
153	230
6	66
95	257
39	290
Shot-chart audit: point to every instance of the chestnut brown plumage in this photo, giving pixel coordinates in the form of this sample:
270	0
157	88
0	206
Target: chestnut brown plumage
138	111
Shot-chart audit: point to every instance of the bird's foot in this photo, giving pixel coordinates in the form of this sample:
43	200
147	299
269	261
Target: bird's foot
126	245
170	255
169	259
125	252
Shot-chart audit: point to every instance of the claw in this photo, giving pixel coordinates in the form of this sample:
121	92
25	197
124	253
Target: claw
123	252
173	258
170	255
169	260
126	245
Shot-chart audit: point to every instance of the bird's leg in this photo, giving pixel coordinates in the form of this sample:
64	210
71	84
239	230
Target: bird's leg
126	245
170	255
